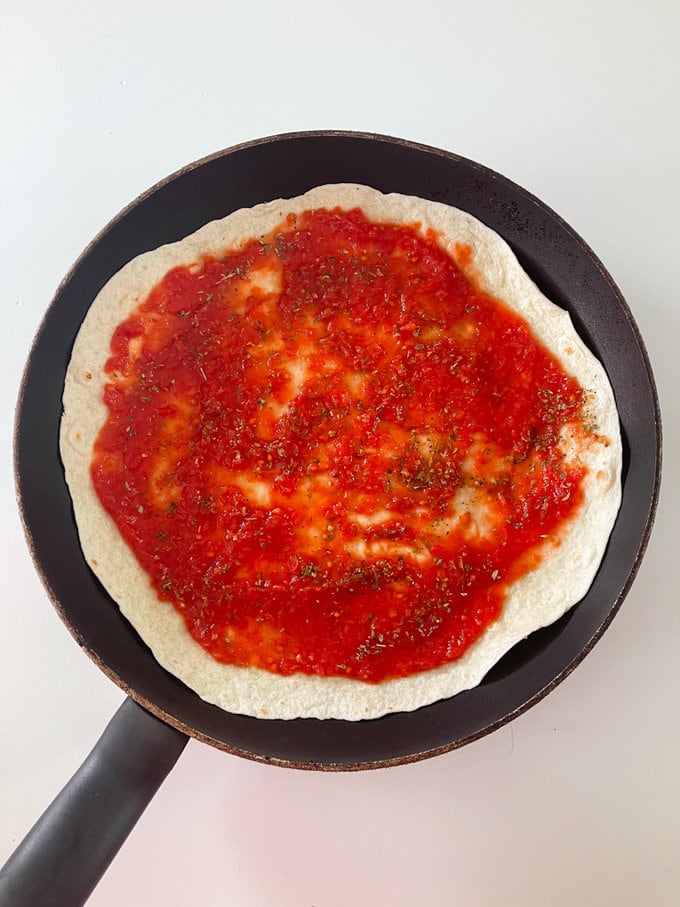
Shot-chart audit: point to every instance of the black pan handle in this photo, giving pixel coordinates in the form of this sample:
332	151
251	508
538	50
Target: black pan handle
70	847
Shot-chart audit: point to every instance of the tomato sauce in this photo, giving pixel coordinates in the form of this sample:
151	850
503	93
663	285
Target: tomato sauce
333	453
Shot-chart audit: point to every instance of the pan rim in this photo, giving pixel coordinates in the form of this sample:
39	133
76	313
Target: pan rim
154	707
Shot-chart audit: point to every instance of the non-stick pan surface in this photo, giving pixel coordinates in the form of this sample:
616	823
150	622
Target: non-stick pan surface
561	264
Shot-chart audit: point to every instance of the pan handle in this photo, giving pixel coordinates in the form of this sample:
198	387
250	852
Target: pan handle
70	847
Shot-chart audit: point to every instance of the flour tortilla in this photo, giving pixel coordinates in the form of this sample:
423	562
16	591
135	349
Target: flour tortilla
537	600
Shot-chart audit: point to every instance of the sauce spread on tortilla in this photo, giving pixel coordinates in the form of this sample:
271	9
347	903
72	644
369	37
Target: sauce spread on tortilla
331	452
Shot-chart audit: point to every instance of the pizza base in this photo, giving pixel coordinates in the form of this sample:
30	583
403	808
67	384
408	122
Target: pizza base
535	601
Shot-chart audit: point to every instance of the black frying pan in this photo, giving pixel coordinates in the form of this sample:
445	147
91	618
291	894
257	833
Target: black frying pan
137	750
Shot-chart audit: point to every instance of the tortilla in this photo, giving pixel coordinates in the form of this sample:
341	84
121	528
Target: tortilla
537	599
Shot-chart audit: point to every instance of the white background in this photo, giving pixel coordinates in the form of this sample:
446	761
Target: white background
577	801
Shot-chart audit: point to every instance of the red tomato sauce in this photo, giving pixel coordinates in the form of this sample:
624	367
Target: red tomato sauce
331	452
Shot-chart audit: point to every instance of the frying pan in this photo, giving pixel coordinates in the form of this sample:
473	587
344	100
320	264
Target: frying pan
70	847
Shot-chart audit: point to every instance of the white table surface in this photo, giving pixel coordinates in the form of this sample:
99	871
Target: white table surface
578	800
